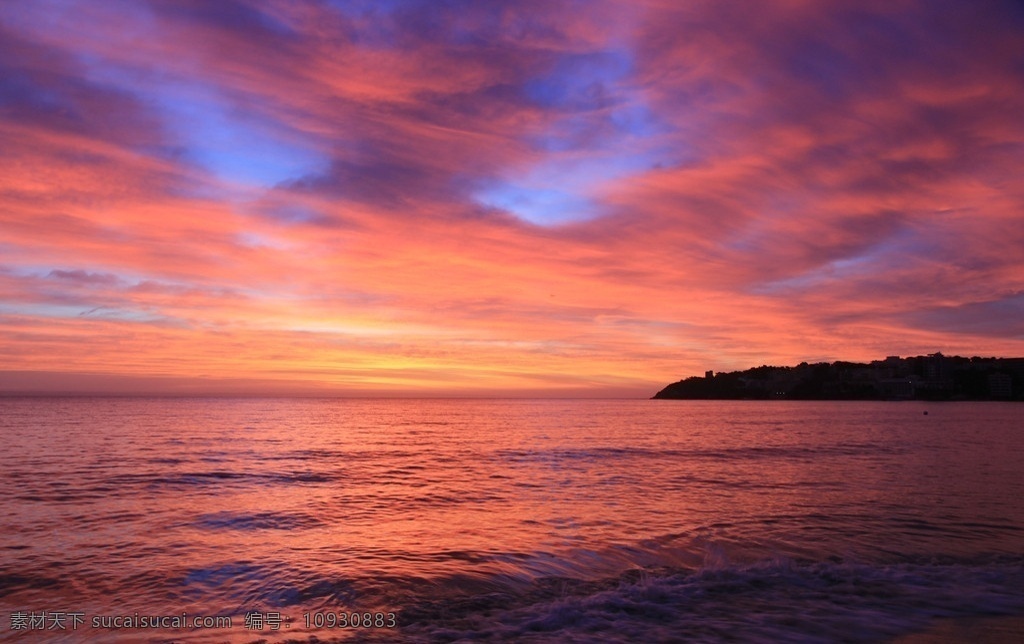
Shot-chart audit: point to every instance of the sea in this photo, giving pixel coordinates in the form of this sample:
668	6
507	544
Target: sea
316	520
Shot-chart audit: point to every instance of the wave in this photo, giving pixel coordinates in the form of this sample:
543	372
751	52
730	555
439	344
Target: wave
769	601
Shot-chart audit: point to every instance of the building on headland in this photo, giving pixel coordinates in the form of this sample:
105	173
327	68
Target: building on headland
1000	386
891	367
898	388
936	368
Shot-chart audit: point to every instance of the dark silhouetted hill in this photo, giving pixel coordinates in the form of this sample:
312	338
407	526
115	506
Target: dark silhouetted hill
930	377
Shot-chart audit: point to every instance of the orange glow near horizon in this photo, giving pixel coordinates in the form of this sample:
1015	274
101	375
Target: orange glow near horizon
405	199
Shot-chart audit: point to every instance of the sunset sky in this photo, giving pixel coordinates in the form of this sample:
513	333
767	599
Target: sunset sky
501	198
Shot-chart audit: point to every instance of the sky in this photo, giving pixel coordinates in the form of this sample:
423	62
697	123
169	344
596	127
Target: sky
461	198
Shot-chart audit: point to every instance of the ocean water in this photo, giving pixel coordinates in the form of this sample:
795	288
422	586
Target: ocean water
542	520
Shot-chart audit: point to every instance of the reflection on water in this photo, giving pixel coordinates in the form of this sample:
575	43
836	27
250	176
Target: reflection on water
463	511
